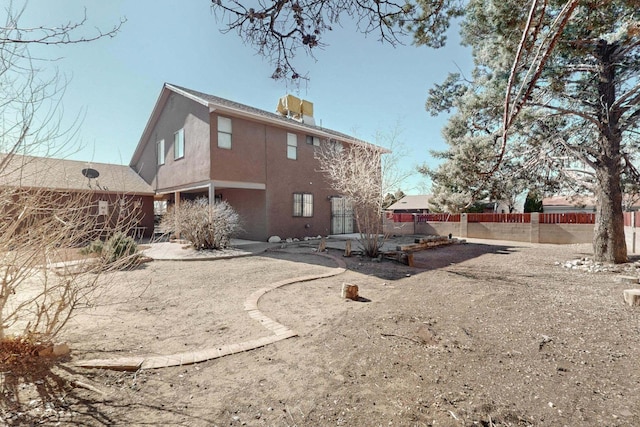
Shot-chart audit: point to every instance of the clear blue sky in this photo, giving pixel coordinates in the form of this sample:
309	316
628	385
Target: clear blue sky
358	85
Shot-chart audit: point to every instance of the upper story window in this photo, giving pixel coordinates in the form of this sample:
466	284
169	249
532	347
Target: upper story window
160	152
178	144
313	140
303	204
292	146
224	132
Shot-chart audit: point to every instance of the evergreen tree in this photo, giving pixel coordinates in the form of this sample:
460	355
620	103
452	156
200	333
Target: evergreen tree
578	103
533	202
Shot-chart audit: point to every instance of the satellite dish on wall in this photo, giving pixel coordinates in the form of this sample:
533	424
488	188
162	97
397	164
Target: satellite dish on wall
90	173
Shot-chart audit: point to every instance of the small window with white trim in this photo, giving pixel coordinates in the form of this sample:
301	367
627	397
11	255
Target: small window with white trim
160	152
292	146
224	132
178	144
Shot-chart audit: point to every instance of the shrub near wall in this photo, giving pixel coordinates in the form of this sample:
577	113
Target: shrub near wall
205	226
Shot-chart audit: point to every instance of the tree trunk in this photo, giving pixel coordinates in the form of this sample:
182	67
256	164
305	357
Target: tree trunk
609	243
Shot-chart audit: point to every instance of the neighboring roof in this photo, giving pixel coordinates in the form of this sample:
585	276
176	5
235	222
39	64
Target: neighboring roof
411	202
217	103
573	201
61	174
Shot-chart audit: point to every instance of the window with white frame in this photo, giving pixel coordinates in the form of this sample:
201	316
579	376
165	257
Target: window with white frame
178	144
303	204
292	146
224	132
160	152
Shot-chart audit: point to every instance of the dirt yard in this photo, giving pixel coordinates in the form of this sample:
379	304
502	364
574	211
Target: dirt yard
480	334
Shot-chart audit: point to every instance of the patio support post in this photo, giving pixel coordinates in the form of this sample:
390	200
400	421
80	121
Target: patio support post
212	194
176	198
633	232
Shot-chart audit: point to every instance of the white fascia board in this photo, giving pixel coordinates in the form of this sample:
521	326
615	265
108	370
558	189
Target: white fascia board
203	185
188	95
239	184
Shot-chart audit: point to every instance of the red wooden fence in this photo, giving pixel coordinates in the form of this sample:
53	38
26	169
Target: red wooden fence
568	218
523	218
438	217
499	217
401	217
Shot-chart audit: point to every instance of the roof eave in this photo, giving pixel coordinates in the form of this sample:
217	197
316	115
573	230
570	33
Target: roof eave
164	95
289	124
155	115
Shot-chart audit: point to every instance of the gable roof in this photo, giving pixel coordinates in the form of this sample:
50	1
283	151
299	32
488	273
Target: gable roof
221	104
411	202
64	175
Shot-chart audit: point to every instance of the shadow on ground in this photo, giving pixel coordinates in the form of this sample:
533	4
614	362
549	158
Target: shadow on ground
38	390
387	269
49	392
427	260
300	254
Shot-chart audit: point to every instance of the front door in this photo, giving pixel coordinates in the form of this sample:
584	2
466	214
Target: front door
341	216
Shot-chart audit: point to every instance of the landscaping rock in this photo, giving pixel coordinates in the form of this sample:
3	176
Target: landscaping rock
274	239
632	297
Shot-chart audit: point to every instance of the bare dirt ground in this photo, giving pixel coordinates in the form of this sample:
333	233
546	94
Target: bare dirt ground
486	333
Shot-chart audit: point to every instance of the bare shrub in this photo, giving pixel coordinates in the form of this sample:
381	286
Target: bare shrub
41	228
355	172
205	226
41	280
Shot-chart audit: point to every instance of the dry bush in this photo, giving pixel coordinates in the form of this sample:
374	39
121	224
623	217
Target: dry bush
41	224
205	226
40	287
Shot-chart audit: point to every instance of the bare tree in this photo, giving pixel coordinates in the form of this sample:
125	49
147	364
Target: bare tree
278	29
394	176
40	227
354	171
42	281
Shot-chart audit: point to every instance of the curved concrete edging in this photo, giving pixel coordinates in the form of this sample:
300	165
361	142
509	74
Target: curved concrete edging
280	331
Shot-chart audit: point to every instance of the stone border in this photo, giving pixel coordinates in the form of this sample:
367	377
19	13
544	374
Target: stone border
281	332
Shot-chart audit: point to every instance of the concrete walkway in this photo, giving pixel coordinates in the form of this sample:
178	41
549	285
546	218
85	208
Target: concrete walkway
172	251
280	331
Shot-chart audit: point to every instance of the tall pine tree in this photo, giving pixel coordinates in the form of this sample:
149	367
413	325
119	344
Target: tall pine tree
578	103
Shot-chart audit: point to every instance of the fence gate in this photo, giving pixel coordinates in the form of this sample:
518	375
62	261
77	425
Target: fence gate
341	216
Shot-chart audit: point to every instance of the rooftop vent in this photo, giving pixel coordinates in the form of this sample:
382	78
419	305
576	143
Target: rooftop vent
296	108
